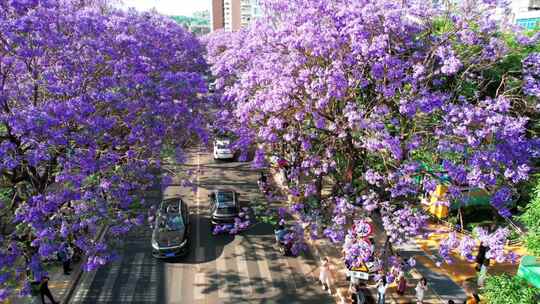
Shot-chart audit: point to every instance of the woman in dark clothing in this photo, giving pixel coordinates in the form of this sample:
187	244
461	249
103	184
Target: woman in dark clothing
481	256
357	295
45	291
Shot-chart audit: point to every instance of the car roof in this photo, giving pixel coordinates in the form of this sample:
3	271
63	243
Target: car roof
223	190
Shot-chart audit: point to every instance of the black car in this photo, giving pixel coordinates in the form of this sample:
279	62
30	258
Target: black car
224	206
170	237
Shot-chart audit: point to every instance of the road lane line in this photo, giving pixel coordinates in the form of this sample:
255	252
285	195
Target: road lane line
106	293
174	279
264	268
84	287
199	257
199	286
134	277
221	268
244	279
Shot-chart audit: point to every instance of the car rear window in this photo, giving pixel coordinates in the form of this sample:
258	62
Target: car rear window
225	199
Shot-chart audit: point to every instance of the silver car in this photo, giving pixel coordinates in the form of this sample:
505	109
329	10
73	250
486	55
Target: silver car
170	237
222	149
224	206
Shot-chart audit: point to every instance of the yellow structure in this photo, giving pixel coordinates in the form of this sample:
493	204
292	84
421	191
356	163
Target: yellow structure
439	210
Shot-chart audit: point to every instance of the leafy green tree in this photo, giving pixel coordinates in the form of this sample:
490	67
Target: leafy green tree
505	289
531	219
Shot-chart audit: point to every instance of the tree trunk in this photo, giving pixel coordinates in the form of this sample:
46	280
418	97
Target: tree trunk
461	218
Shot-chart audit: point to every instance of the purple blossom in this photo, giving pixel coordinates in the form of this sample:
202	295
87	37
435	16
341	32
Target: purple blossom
347	94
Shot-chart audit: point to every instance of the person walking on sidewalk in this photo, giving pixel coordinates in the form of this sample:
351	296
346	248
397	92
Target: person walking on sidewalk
382	285
401	283
45	291
421	288
483	273
481	256
357	295
325	275
65	258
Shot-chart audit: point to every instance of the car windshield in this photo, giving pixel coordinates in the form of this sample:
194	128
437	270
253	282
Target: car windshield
225	203
222	144
171	223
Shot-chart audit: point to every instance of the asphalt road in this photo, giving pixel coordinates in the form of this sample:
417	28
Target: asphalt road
219	269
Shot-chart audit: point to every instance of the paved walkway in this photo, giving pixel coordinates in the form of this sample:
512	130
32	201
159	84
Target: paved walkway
442	285
61	285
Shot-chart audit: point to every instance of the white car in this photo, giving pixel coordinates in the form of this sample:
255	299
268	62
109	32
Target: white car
222	149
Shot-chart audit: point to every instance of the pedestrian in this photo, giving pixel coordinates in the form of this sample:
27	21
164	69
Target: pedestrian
357	295
401	283
382	285
63	256
481	255
280	233
70	253
45	291
483	273
421	288
325	275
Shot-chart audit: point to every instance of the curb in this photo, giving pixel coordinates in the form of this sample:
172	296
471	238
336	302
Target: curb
317	251
75	282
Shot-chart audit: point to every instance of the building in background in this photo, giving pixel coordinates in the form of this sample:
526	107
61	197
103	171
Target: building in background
217	17
199	24
526	13
231	15
256	11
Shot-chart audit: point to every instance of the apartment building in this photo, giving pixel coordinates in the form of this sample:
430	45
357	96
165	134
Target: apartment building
231	15
526	13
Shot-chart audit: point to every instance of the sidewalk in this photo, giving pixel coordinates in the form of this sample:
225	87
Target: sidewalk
61	285
443	285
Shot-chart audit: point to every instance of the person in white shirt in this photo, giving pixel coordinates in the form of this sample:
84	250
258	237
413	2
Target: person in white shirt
421	288
325	275
483	273
382	285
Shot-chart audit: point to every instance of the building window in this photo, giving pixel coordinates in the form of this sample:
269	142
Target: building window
528	23
534	4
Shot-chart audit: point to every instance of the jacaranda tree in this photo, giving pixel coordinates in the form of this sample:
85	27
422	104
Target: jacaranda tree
89	99
387	100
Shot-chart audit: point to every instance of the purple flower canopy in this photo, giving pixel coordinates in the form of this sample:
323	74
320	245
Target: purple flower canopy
89	97
373	93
